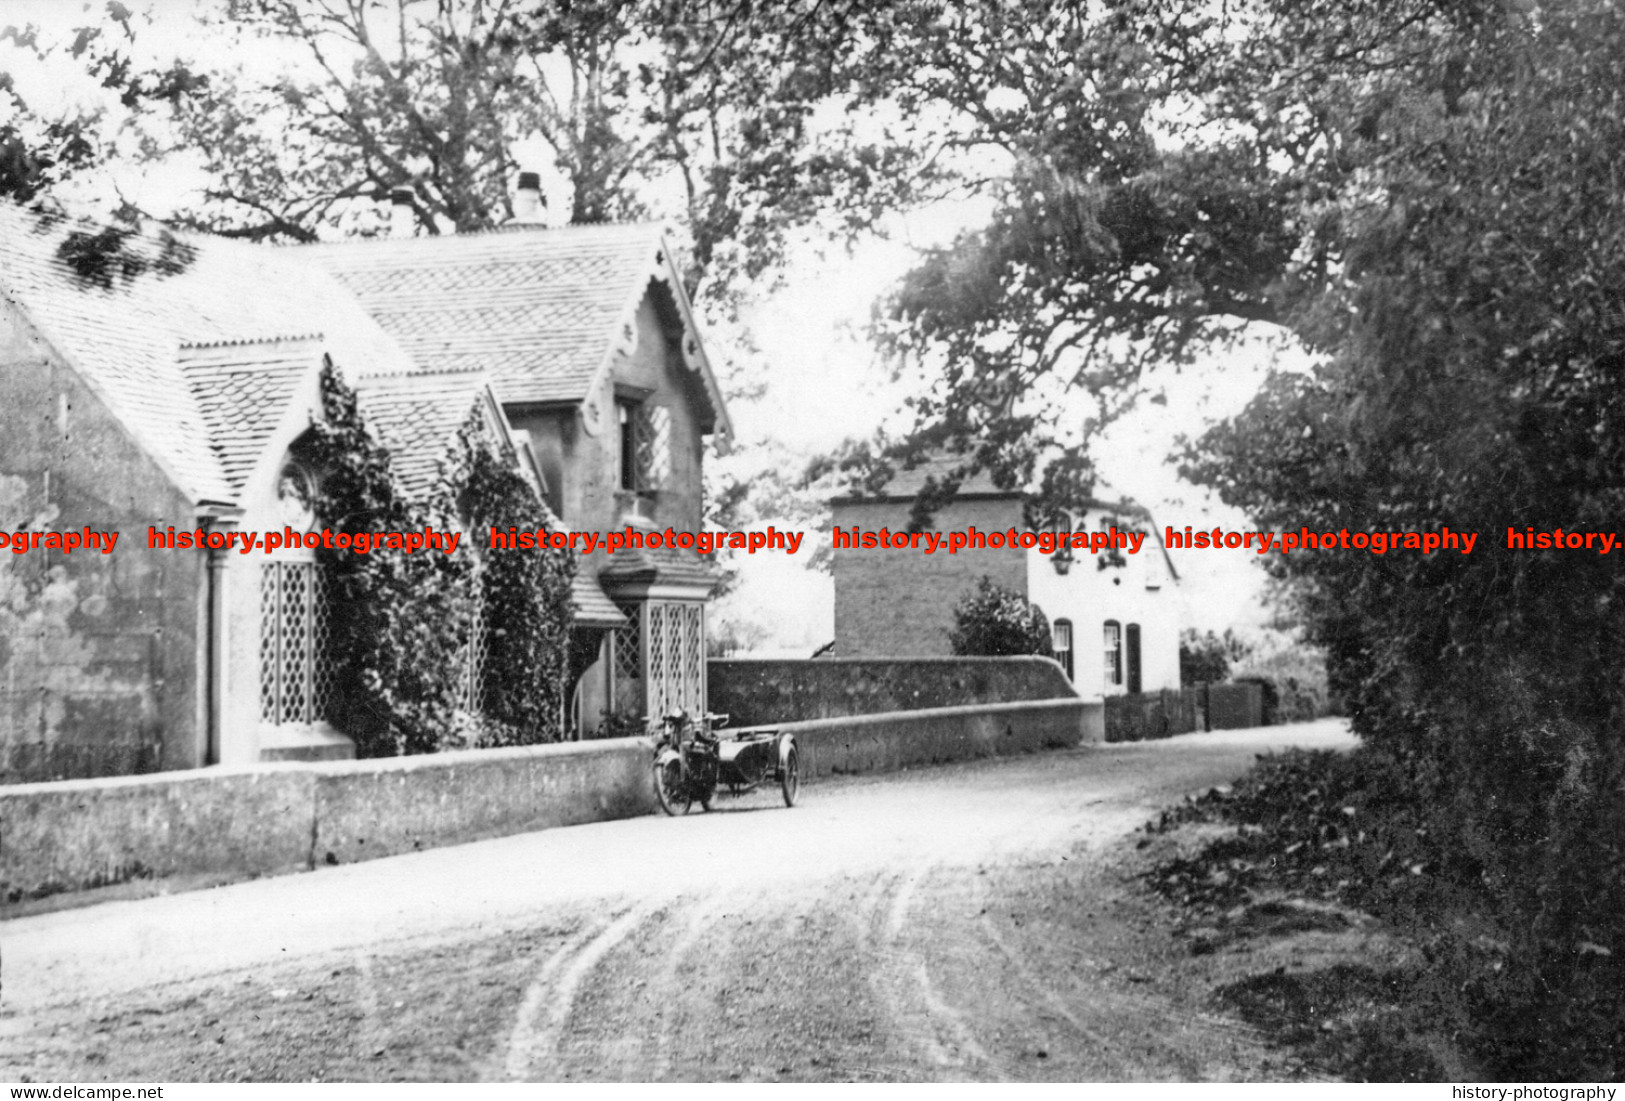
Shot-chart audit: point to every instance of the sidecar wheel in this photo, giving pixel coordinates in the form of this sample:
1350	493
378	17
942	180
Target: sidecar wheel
669	788
790	781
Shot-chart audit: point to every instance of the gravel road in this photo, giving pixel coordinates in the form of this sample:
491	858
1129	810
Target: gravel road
970	921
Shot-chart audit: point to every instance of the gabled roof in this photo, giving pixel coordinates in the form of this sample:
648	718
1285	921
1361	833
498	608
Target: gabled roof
186	336
124	333
242	391
542	309
418	417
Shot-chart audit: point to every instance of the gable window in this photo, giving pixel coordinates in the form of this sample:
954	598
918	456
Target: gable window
1113	638
645	451
1061	642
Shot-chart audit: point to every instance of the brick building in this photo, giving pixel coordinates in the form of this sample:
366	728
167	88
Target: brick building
1115	620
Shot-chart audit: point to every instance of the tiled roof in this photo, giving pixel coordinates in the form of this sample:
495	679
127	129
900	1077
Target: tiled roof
908	483
540	309
536	312
125	337
664	565
242	391
592	607
418	417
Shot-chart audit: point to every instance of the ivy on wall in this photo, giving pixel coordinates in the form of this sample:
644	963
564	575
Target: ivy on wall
526	593
400	625
397	622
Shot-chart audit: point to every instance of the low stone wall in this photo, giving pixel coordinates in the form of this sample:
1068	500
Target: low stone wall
401	804
901	739
72	835
215	825
759	692
219	825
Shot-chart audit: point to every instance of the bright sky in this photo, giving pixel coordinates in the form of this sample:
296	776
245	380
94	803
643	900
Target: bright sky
824	382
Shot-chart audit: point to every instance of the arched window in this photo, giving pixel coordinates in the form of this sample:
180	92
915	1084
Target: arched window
1113	638
1061	641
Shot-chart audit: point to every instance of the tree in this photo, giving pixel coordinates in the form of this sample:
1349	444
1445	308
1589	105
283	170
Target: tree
639	107
1475	347
1166	176
994	621
40	149
1205	657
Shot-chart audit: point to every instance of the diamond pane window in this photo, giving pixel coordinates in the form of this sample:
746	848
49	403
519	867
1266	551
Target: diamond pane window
645	451
296	672
628	659
654	446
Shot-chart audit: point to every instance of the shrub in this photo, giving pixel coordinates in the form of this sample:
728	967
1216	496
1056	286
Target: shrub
994	621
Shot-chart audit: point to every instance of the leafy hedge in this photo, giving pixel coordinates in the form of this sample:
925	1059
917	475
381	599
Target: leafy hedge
1476	350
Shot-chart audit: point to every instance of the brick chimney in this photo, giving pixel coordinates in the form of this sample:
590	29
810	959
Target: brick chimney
529	208
403	221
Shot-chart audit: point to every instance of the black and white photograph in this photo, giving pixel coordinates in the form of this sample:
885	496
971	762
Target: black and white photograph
814	541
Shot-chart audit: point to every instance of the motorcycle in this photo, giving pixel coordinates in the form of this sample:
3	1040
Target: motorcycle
693	762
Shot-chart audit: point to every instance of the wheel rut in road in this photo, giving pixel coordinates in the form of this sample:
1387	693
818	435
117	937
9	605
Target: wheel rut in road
964	922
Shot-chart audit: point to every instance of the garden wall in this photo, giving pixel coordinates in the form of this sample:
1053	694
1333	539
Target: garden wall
756	692
186	829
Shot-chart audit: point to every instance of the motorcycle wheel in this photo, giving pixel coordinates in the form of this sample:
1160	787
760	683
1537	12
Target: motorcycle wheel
670	791
790	782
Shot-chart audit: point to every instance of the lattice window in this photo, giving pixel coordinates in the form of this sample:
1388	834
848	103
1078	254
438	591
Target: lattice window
654	446
628	656
675	670
693	686
645	445
471	687
296	670
656	627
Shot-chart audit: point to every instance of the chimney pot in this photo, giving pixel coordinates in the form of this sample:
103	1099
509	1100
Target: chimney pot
528	204
402	219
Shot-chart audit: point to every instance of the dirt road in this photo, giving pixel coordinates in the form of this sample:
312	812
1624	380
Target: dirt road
962	922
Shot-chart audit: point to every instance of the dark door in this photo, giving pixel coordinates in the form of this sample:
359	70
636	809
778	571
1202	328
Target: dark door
1133	657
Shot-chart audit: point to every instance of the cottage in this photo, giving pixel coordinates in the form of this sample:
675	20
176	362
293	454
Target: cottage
1114	616
157	386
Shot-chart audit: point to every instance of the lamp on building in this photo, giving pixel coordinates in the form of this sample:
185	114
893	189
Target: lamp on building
1062	559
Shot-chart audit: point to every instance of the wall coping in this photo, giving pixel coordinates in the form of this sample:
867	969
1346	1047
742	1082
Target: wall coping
146	779
414	763
924	659
925	714
419	762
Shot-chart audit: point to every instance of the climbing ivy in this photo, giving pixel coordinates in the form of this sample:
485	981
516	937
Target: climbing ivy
527	608
399	623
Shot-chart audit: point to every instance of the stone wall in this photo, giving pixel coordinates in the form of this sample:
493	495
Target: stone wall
98	652
756	692
142	834
902	739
